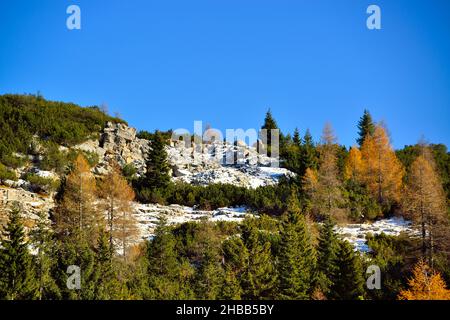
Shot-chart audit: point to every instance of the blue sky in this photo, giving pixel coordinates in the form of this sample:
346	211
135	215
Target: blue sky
164	64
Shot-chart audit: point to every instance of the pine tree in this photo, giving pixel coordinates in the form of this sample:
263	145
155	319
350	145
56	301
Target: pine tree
16	269
426	203
231	288
42	240
348	282
259	277
107	285
366	127
426	284
327	253
157	176
118	195
382	171
308	153
297	139
77	215
296	256
269	125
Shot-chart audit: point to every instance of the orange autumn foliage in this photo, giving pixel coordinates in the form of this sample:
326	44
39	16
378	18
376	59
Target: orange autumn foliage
425	284
382	172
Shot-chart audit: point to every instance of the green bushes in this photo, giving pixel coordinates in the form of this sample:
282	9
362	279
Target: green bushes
24	116
41	183
6	174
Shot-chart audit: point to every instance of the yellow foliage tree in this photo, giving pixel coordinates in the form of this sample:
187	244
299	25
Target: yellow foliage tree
425	201
118	195
425	284
382	172
77	214
353	165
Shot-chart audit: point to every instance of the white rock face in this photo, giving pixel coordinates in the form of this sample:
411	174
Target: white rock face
356	233
224	163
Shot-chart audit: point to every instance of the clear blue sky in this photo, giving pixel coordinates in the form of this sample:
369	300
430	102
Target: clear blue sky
163	64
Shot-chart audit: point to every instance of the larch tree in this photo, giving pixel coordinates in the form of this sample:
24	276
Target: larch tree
426	284
118	196
426	202
382	171
327	193
366	127
77	214
353	165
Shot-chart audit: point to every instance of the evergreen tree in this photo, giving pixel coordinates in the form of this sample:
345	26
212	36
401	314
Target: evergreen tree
366	127
269	125
297	139
17	280
327	252
308	154
107	285
296	256
43	243
157	176
348	282
259	277
231	288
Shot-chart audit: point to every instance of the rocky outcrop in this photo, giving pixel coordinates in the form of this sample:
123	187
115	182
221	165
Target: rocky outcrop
118	142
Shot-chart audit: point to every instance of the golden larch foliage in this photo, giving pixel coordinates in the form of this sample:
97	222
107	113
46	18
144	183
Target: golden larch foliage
353	165
425	284
118	196
381	170
425	202
77	214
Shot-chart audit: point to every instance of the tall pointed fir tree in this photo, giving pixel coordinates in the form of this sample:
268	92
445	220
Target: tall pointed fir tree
259	278
366	127
348	282
308	153
42	239
296	256
296	138
269	125
17	278
327	252
157	175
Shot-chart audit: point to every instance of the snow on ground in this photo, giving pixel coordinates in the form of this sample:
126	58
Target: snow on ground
215	164
356	233
147	216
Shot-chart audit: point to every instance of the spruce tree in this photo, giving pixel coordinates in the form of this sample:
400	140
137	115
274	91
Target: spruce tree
348	282
327	252
17	278
297	139
269	124
42	239
366	127
296	255
157	176
308	154
231	288
259	277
